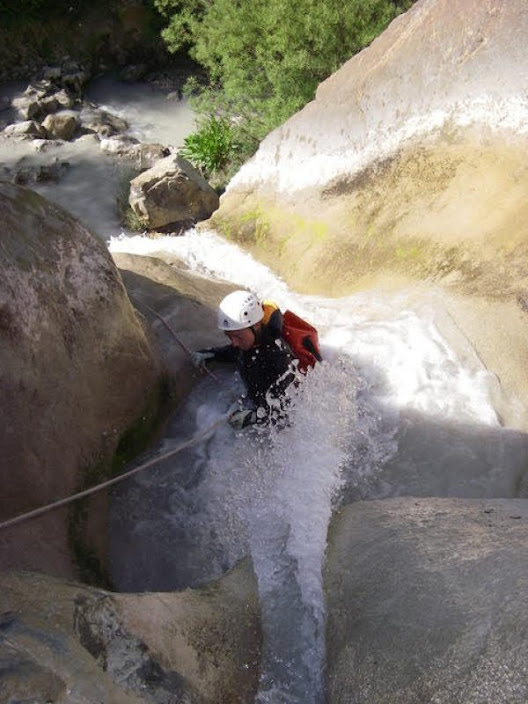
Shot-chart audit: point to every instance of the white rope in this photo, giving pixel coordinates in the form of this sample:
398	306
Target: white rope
184	347
62	502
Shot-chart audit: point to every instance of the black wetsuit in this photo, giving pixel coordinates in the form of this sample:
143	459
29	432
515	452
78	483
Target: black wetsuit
266	369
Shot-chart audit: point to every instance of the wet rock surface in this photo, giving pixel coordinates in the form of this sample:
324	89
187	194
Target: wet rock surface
179	306
413	173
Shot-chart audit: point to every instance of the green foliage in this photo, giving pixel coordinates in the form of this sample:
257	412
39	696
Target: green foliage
127	217
265	58
211	146
184	18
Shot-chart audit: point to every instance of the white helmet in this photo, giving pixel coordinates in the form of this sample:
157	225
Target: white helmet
239	310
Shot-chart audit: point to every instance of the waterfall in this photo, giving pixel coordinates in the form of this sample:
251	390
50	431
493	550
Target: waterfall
271	493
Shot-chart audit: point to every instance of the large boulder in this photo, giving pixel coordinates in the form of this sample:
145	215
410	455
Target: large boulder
179	305
66	642
143	156
61	125
77	371
28	106
172	192
409	162
427	602
40	99
101	122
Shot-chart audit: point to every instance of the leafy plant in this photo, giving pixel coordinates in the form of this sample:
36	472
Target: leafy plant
127	217
211	146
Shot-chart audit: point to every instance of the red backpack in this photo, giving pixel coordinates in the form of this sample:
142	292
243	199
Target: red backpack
302	339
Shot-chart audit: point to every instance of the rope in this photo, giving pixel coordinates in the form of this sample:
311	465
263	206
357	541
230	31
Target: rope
62	502
182	344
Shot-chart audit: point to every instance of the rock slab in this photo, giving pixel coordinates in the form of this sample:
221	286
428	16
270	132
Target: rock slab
427	602
67	643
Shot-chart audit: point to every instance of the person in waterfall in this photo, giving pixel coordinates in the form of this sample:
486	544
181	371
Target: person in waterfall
257	346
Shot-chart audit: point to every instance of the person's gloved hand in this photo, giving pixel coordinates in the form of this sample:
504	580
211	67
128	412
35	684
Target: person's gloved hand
200	358
241	418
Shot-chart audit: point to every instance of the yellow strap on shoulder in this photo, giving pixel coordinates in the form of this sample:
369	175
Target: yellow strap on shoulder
269	308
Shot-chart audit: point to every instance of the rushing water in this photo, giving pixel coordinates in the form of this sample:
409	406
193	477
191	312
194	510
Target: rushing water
394	409
153	115
88	181
400	406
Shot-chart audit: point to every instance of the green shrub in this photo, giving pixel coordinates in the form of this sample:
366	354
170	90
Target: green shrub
212	146
131	221
127	217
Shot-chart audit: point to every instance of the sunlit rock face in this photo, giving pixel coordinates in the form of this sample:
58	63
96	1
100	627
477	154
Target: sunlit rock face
76	370
171	192
409	161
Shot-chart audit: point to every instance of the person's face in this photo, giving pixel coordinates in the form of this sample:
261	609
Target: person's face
242	339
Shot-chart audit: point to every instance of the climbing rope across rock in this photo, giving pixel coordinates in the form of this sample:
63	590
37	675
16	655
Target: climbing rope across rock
92	490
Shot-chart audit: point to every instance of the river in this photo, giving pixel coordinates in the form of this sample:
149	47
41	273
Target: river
90	181
401	405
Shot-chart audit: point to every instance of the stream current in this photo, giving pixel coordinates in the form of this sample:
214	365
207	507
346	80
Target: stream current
401	405
392	410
